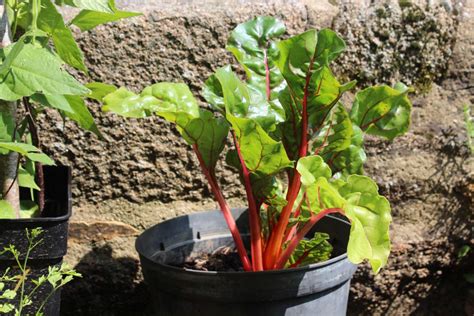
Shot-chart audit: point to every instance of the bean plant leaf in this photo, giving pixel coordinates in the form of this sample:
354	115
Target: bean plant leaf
7	126
26	179
253	46
6	210
87	19
370	218
28	209
73	107
106	6
382	111
51	21
313	250
37	70
27	150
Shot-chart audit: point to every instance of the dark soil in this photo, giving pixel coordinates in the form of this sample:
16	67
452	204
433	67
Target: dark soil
223	259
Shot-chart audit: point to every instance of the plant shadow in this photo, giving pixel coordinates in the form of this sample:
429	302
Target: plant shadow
109	286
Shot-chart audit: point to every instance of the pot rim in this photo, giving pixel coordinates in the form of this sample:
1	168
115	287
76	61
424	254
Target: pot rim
313	266
53	219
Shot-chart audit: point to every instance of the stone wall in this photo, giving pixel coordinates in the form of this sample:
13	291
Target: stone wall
142	172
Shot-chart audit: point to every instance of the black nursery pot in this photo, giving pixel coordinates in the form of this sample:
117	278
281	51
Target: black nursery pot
50	252
317	289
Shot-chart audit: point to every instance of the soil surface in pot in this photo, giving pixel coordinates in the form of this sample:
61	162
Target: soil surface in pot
223	259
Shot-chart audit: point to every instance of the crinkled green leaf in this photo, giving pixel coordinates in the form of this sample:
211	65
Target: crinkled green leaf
228	94
261	153
87	19
252	45
37	70
350	160
51	21
208	133
27	150
6	308
99	90
323	195
311	168
336	133
370	218
313	250
6	210
382	111
129	104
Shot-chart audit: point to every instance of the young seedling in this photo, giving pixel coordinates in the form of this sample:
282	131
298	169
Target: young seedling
289	129
14	296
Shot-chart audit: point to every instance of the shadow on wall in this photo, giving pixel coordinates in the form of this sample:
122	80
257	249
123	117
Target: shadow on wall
110	286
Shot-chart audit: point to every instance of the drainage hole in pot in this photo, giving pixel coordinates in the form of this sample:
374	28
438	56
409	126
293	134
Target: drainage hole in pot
198	235
162	246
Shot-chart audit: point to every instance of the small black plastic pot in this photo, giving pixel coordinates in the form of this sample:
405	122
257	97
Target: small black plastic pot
317	289
50	252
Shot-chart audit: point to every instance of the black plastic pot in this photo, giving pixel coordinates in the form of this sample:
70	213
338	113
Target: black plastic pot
54	223
317	289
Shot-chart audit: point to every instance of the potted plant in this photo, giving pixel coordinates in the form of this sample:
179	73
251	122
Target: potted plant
36	43
300	154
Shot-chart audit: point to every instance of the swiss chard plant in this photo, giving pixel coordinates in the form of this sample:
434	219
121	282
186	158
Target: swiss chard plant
36	45
298	149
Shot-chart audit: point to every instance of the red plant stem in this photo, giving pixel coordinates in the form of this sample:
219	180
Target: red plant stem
276	238
254	219
301	234
225	211
267	75
292	230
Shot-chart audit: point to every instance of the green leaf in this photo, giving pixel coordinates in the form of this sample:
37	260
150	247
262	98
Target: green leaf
322	195
311	168
51	21
29	209
252	45
73	107
370	218
37	70
7	124
261	153
382	111
175	101
350	160
329	46
6	210
228	94
6	308
106	6
313	250
87	19
128	104
336	133
27	150
99	90
26	179
208	133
